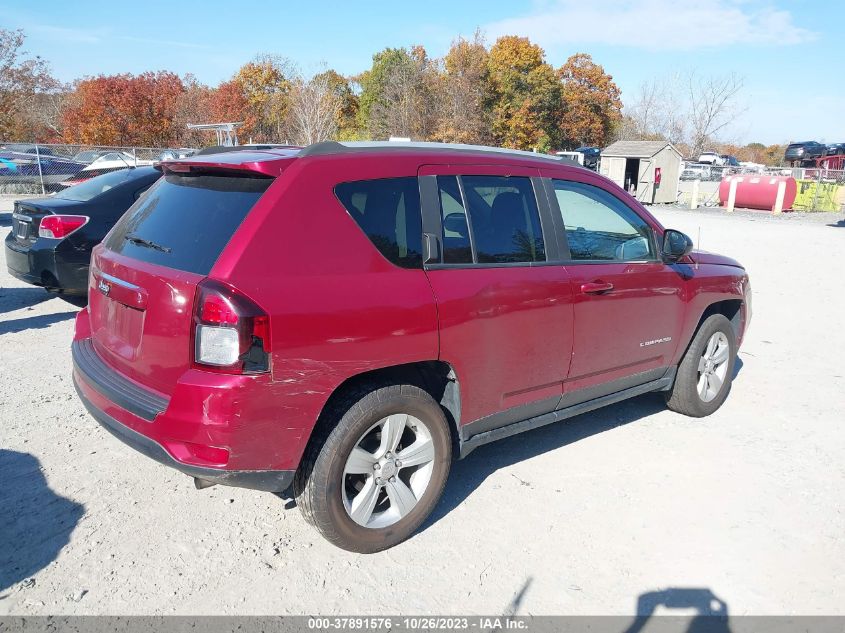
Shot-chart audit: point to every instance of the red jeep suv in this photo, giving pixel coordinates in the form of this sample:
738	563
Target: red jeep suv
344	319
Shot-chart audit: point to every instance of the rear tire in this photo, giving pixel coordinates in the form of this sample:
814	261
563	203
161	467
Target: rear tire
353	484
706	371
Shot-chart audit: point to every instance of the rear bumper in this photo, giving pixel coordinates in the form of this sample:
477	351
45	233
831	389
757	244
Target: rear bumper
165	431
45	263
266	480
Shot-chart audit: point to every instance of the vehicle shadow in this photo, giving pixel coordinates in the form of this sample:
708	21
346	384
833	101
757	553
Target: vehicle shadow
738	365
840	224
36	523
17	298
710	612
469	473
34	322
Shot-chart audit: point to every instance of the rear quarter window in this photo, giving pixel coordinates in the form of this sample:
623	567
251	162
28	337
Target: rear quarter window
185	221
388	211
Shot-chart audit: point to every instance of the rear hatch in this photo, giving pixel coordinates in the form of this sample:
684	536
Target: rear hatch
145	274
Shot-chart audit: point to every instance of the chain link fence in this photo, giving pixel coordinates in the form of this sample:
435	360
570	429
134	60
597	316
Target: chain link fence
28	168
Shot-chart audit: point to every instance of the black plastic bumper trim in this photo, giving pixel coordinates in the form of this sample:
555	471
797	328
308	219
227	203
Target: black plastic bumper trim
265	480
112	385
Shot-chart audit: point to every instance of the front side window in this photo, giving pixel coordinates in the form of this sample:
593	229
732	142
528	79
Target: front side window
599	226
388	211
504	218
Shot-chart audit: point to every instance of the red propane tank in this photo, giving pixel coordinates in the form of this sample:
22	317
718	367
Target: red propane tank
756	191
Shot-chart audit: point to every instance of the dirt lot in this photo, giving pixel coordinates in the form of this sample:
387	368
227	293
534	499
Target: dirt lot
583	517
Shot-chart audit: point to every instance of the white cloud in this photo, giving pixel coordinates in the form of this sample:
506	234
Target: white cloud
654	24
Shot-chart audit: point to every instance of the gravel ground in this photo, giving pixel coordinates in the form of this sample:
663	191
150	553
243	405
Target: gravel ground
584	517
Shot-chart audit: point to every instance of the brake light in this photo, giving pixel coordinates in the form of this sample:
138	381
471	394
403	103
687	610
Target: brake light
59	226
231	333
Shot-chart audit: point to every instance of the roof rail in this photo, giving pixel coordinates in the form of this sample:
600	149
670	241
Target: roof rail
334	147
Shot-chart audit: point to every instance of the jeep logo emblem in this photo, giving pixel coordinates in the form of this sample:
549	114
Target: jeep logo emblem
103	287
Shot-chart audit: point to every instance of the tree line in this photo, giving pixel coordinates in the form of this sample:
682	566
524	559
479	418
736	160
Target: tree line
505	94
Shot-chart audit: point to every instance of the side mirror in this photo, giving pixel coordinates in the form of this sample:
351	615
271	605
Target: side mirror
675	245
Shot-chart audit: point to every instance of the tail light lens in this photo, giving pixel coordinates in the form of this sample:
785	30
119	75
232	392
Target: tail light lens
231	333
59	226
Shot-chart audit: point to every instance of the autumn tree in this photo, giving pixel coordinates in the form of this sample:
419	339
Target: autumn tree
592	104
124	110
196	104
264	84
25	82
463	93
346	102
526	95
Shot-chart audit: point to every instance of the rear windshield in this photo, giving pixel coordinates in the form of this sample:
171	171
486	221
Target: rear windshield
185	221
93	187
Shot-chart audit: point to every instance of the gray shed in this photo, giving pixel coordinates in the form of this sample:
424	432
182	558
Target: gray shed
632	164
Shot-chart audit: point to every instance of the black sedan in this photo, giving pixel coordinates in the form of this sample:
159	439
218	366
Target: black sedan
51	238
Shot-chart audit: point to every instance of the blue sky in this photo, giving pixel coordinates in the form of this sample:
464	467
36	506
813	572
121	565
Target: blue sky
791	53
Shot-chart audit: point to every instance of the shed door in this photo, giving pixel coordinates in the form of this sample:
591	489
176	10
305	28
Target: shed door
614	168
645	186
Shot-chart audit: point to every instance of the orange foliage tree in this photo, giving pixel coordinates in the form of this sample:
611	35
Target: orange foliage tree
526	95
592	103
124	110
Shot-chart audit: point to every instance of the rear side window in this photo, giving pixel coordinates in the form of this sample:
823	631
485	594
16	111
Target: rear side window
505	219
388	211
185	221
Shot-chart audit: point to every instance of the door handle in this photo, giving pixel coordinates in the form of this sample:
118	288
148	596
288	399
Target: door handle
596	287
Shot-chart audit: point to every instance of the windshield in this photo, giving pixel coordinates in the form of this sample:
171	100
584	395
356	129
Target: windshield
93	187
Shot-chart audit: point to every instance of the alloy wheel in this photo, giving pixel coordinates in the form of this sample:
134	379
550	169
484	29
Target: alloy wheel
388	471
713	366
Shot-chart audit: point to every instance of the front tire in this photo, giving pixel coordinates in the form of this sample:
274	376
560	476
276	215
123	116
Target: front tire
380	470
706	371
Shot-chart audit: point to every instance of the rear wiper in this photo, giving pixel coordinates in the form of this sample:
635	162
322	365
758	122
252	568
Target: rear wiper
140	241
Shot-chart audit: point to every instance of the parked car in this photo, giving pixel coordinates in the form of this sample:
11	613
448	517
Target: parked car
29	168
806	150
173	154
108	162
88	156
51	238
710	158
26	148
700	171
835	149
341	321
591	156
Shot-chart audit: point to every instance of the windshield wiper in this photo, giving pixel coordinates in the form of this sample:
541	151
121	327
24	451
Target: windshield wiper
140	241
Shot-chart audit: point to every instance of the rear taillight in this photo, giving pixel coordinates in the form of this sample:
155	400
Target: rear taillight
231	332
59	226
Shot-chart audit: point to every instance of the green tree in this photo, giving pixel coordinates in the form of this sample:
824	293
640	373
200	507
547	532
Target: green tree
396	94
